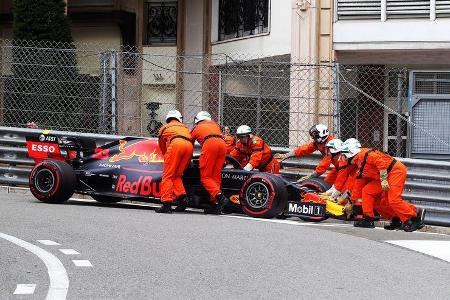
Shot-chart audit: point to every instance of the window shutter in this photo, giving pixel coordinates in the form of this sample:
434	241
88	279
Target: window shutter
361	9
442	7
407	9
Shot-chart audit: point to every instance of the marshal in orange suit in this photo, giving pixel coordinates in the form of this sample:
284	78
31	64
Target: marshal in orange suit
174	139
212	158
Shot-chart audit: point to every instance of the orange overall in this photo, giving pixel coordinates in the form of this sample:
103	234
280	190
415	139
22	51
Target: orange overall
345	178
258	154
323	165
230	141
174	140
212	157
368	184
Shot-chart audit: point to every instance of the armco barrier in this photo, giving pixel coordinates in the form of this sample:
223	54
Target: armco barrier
427	186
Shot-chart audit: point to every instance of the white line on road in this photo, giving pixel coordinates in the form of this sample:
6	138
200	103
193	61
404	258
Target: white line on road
48	243
25	289
69	251
438	249
59	281
82	263
290	222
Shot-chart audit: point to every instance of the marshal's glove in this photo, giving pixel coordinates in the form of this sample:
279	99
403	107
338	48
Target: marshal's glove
332	193
384	181
248	167
283	156
343	198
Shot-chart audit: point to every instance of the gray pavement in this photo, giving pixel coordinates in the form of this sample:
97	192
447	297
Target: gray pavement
138	254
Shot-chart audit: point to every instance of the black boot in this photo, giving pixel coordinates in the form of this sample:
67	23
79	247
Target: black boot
221	202
182	204
367	222
166	208
416	222
421	217
395	224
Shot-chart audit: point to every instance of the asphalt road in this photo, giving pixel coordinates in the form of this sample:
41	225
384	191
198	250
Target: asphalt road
134	253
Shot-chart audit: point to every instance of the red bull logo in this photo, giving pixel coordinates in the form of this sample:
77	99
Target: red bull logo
314	198
146	151
144	186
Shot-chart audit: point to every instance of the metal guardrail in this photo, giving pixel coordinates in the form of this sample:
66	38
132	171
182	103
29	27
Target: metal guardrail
427	185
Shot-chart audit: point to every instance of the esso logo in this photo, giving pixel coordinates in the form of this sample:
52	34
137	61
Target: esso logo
43	148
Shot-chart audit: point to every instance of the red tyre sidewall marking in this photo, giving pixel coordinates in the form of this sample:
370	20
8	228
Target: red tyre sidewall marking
269	201
52	168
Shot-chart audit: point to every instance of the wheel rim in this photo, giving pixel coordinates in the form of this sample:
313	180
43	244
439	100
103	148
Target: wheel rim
257	195
44	181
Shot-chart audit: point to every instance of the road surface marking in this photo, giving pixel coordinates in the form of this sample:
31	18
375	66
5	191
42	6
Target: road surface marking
82	263
438	249
59	281
48	243
24	289
290	222
69	251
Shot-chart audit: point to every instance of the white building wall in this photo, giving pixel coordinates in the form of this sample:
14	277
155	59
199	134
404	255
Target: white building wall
391	34
276	42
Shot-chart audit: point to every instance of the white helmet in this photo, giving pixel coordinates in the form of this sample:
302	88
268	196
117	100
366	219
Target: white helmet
351	147
319	133
174	114
202	115
335	145
243	130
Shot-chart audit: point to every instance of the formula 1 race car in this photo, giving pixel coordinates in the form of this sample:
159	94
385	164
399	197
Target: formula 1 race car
131	169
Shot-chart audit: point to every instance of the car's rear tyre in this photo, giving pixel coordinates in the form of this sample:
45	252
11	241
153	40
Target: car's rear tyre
263	195
106	199
318	185
52	181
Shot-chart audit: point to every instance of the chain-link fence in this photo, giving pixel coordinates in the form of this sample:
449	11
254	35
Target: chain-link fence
123	91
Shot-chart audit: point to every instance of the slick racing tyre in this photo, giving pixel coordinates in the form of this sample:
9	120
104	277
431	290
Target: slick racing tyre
263	195
52	181
106	199
315	185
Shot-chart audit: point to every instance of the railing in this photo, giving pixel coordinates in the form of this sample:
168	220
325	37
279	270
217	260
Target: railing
427	186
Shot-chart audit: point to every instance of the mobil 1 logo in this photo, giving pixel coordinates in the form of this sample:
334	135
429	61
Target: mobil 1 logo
305	209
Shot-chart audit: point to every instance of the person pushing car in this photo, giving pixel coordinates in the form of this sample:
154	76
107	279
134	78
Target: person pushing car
174	139
212	158
254	151
379	173
320	135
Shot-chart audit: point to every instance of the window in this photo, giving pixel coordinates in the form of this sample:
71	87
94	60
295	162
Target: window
241	18
161	22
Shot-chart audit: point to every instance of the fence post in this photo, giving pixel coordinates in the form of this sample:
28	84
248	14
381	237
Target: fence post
113	91
104	65
336	103
399	111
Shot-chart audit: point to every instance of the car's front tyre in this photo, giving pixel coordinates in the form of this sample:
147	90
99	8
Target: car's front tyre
52	181
263	195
